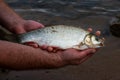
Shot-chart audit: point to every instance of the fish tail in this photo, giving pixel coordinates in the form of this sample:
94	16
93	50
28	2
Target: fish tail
7	36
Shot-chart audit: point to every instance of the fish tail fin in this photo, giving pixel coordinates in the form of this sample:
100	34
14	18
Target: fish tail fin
8	36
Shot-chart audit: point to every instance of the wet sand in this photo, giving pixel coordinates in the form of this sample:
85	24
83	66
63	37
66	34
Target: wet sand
104	65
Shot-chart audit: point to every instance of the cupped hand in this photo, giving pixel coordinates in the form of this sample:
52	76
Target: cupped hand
29	25
72	56
26	26
65	57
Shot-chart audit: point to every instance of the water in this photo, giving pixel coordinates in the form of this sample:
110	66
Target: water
68	8
98	14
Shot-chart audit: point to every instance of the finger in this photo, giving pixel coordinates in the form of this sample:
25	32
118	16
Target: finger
84	53
43	47
90	29
98	33
82	60
55	49
33	44
41	25
50	49
85	58
35	23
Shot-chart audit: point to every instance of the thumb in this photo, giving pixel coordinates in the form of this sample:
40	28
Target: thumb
86	52
32	25
35	23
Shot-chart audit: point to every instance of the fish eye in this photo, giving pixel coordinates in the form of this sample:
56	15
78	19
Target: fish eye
97	39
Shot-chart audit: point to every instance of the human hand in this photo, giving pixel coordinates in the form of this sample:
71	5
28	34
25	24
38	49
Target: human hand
71	57
26	26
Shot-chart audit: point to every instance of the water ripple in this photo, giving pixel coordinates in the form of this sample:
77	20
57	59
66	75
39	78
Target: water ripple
68	8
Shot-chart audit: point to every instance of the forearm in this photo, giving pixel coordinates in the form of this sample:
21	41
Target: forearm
17	56
8	18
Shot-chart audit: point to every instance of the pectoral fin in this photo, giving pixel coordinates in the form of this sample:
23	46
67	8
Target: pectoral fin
79	46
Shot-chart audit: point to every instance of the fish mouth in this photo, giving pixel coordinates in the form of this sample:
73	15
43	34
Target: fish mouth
102	42
90	43
99	45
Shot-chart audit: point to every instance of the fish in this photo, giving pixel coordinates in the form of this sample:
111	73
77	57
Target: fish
62	36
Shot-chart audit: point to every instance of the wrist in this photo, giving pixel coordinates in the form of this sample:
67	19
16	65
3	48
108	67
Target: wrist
54	61
8	18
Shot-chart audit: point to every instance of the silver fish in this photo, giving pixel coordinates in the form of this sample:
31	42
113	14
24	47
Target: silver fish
62	36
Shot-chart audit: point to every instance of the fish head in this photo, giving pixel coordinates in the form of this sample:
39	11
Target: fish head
93	41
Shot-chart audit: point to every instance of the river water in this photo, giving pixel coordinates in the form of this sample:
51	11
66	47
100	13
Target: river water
68	8
98	14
